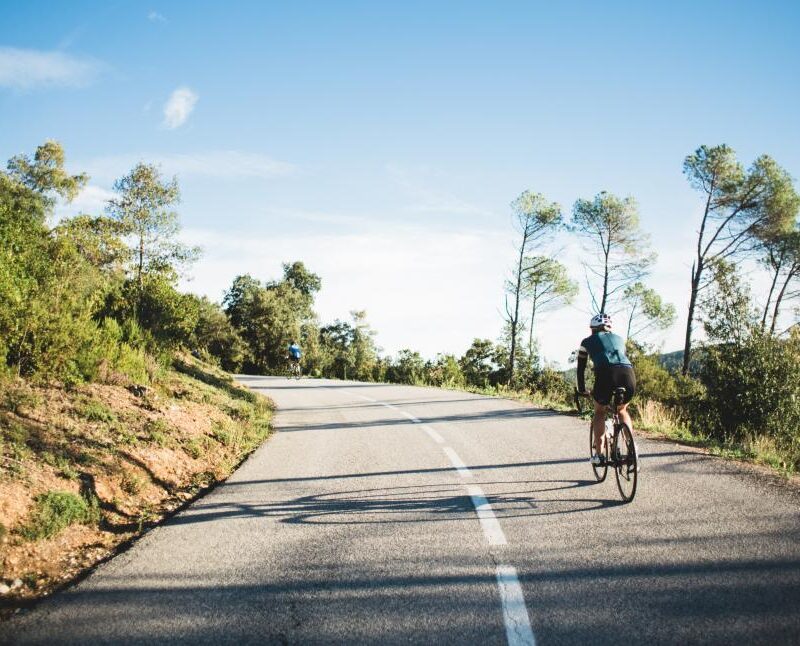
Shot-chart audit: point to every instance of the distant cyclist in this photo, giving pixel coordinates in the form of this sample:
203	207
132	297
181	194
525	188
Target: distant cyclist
294	352
612	369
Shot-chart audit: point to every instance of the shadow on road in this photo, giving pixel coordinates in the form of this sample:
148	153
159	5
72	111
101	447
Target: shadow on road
406	504
484	416
750	602
447	469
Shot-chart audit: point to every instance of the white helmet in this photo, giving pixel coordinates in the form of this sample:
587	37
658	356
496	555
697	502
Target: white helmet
600	320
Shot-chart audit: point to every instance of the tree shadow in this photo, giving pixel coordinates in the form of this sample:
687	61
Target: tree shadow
454	600
404	504
484	416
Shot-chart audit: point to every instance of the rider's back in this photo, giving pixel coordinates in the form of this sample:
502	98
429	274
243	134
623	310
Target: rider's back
606	349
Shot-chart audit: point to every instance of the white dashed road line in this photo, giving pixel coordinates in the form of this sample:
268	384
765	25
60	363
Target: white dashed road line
515	614
457	462
433	434
491	527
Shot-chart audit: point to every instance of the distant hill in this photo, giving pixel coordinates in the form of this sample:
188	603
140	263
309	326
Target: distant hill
672	361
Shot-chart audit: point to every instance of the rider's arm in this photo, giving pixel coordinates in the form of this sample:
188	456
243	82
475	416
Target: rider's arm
582	359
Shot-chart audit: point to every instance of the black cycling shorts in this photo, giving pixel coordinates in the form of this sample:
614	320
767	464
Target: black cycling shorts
607	378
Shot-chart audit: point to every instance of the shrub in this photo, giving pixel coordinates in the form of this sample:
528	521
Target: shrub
159	432
115	351
752	389
131	483
552	385
95	411
409	368
653	381
445	371
56	510
17	397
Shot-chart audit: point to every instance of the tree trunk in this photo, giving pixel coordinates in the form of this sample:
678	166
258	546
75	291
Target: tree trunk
778	300
769	299
605	282
687	347
530	332
630	320
515	319
139	279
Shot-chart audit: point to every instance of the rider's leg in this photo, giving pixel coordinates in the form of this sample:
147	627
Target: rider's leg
625	416
599	426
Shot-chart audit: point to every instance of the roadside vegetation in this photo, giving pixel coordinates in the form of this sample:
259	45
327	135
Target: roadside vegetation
736	391
107	420
115	399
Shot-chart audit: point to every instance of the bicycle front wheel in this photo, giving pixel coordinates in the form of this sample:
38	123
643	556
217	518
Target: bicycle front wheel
599	471
626	462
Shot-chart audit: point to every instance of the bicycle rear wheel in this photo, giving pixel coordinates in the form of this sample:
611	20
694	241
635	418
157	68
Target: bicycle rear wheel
599	471
626	462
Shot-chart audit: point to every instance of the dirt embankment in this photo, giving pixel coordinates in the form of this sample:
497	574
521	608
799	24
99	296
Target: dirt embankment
87	469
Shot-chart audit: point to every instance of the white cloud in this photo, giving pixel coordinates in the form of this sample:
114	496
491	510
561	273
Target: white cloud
219	164
154	16
26	69
91	200
178	107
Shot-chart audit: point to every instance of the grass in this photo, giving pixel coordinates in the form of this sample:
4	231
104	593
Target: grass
131	483
94	411
159	432
56	510
17	396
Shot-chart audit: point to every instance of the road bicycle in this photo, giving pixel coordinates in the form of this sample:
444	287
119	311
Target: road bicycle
293	370
619	448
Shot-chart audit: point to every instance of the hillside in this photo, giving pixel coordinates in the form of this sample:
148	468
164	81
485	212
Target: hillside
89	468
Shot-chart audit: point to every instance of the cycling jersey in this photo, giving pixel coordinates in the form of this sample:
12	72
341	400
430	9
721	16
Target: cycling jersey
605	349
294	350
611	366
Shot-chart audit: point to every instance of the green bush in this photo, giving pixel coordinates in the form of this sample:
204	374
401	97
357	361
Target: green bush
552	384
445	371
653	381
115	350
408	368
95	411
18	396
56	510
752	390
159	432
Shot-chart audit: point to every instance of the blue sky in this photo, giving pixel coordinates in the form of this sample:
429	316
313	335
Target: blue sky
382	142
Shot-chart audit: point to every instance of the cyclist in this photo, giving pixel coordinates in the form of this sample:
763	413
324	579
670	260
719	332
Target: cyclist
611	370
294	352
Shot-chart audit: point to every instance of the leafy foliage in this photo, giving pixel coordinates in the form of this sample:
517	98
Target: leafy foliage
618	251
647	310
742	207
752	390
536	221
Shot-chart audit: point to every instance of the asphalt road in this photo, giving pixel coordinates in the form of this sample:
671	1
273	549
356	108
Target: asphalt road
392	514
